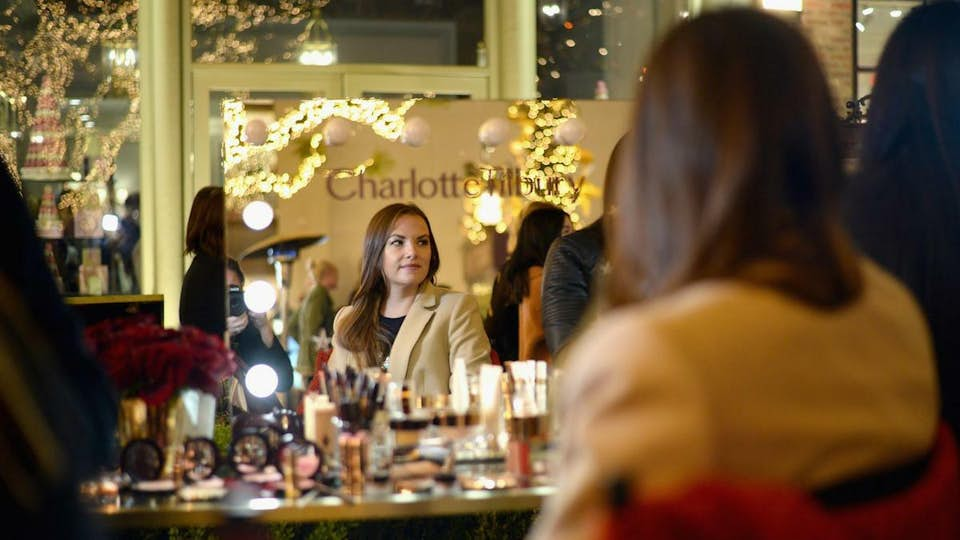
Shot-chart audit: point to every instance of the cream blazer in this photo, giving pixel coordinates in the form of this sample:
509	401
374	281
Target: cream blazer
440	326
731	380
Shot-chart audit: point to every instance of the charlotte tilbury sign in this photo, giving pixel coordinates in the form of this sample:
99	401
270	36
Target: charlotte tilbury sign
502	181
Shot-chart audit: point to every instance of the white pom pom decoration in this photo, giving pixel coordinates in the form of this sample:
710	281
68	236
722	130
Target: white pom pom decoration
570	132
494	131
256	131
416	131
337	131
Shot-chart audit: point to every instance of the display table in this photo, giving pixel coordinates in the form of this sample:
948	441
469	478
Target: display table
93	309
161	513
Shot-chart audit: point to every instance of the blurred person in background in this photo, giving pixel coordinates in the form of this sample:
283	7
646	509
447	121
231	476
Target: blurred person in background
759	346
514	324
203	293
57	409
573	269
316	313
126	243
903	207
252	338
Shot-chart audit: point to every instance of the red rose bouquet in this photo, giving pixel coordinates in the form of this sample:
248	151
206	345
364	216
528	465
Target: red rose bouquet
154	363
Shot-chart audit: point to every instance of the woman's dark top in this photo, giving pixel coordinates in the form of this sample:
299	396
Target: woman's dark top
203	297
392	326
907	219
503	329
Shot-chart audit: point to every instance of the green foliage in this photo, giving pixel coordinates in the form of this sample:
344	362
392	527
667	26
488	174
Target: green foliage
222	434
489	526
190	533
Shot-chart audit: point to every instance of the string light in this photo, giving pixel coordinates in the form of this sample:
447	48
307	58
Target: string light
228	32
541	159
247	166
55	50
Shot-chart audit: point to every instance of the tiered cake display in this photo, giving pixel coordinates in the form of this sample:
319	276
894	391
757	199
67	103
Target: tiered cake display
45	155
49	225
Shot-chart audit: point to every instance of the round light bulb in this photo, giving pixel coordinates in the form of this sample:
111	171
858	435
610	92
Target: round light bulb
258	215
261	380
110	222
259	296
489	209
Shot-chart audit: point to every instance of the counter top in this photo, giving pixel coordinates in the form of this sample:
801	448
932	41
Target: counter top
168	512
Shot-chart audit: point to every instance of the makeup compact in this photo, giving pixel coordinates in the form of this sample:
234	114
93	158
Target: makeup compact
200	459
142	460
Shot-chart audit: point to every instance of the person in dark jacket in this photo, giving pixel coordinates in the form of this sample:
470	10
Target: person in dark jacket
254	341
571	270
58	411
203	294
903	208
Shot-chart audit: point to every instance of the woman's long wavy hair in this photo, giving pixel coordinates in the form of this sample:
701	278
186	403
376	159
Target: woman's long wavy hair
537	232
362	333
736	167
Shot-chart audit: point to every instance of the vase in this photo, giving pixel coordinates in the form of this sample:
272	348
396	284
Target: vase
132	420
195	413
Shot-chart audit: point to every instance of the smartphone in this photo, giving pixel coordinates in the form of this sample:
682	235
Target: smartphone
237	305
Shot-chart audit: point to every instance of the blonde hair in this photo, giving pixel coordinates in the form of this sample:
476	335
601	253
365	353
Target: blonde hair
318	269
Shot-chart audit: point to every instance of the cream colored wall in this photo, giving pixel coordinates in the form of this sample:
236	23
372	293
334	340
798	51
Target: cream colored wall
453	143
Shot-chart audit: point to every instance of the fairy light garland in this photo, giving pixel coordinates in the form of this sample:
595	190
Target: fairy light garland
540	158
233	23
248	166
57	48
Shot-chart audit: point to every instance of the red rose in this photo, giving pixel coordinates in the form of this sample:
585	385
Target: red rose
146	360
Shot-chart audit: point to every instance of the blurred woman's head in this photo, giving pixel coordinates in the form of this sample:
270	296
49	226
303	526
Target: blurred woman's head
322	273
735	166
399	251
205	224
915	105
538	230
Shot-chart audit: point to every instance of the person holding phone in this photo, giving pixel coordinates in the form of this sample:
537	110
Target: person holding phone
254	341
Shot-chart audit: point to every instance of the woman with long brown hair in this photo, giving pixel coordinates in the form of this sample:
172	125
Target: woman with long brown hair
204	291
748	339
514	324
400	321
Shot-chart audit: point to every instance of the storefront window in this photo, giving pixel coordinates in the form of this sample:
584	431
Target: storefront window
69	124
876	20
417	32
594	49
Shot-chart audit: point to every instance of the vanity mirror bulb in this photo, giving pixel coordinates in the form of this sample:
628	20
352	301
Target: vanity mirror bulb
258	215
259	296
261	380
